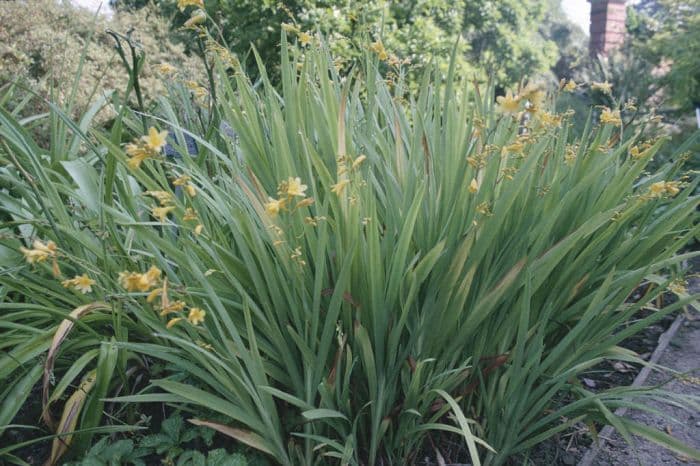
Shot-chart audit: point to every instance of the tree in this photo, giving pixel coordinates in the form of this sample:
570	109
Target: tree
667	33
500	37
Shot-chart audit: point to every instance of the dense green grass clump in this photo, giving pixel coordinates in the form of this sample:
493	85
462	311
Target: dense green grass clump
340	271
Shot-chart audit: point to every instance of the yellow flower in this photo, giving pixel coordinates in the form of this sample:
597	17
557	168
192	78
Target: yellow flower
200	92
604	87
658	189
171	323
166	68
82	283
41	251
672	187
184	182
295	188
197	17
305	39
190	214
163	197
296	256
137	154
550	120
134	281
678	287
161	213
273	206
198	229
182	4
304	203
190	190
196	316
175	306
611	117
508	103
154	294
358	161
339	187
635	153
181	180
570	86
378	48
515	148
192	85
473	186
484	209
155	140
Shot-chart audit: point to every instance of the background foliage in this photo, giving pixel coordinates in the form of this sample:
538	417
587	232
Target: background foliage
57	43
501	39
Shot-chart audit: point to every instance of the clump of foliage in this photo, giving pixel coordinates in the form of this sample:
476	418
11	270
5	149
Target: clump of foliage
340	273
47	49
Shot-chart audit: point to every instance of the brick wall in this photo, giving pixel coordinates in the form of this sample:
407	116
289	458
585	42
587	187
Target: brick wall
607	28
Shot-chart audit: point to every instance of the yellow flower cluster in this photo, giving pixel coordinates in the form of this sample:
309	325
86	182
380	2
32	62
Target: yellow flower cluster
378	48
287	191
188	187
81	283
342	172
611	117
163	197
147	147
604	87
198	91
166	68
550	120
484	209
134	281
678	287
570	154
166	202
664	188
217	50
161	212
167	307
508	103
569	86
305	38
40	252
639	151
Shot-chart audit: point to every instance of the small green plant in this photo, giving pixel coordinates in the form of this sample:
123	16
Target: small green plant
169	447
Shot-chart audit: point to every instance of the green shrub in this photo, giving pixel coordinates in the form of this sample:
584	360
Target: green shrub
341	270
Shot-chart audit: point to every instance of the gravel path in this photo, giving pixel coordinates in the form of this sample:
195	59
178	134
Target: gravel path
682	354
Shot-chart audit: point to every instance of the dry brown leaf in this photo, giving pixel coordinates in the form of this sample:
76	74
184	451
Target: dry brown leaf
69	418
61	332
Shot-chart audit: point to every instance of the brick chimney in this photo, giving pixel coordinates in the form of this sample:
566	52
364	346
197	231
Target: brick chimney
607	25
